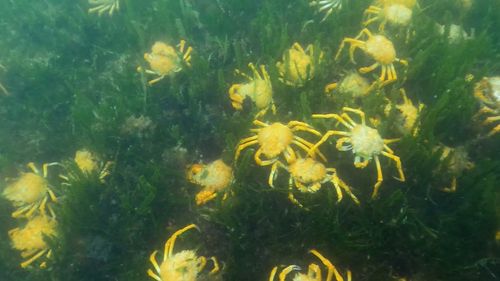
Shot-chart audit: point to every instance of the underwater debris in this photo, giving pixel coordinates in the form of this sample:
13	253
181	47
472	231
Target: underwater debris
164	60
327	6
258	88
299	65
214	177
137	125
308	175
31	192
380	48
274	140
30	240
487	92
455	33
454	160
2	88
364	141
102	6
313	272
185	265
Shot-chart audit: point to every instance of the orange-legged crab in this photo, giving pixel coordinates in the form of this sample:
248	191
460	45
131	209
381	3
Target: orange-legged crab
274	140
165	60
364	141
102	6
214	177
394	12
380	49
326	5
258	89
308	175
31	192
299	65
185	265
313	273
487	92
30	239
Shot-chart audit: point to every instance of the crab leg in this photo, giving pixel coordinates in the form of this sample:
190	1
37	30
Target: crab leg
398	164
152	259
343	185
33	258
169	246
348	119
287	270
325	137
216	266
273	273
370	68
301	126
307	146
272	174
494	130
380	177
313	271
244	143
355	43
202	261
334	116
261	162
357	111
331	268
491	119
330	87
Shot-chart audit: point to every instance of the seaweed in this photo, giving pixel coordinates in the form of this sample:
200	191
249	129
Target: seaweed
74	84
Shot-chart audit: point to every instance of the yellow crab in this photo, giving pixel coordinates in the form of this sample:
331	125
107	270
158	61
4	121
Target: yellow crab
258	89
102	6
182	266
298	65
274	140
408	114
364	141
164	60
394	12
313	273
88	163
326	5
214	177
380	49
31	192
455	161
308	174
30	238
487	92
352	84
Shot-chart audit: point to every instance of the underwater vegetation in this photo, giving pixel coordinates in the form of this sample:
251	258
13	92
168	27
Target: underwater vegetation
265	140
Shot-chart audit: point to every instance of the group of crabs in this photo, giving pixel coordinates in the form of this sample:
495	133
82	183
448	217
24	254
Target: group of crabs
279	145
32	196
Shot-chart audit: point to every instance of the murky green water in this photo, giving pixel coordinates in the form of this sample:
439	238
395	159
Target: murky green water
149	120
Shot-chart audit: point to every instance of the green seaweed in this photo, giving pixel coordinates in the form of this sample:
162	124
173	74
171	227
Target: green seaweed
74	84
